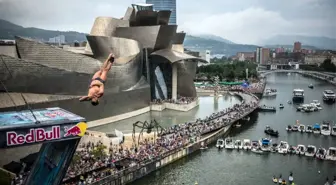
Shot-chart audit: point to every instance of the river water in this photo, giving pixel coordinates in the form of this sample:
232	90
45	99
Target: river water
167	118
214	167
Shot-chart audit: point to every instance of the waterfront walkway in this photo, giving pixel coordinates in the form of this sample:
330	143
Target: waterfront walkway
176	142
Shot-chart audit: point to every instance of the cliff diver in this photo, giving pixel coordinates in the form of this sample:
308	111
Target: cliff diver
96	85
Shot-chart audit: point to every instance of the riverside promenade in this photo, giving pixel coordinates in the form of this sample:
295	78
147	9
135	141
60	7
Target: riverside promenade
180	141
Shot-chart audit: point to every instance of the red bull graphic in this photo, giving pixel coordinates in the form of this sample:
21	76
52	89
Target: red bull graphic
77	130
34	136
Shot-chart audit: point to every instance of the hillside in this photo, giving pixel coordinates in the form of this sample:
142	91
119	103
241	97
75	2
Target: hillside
216	44
216	47
214	37
319	42
291	46
8	30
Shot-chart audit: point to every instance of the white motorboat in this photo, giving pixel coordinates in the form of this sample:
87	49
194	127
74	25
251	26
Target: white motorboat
238	144
298	95
321	153
302	128
329	95
331	154
317	129
333	130
300	149
309	129
265	144
317	104
237	125
283	147
220	143
257	150
247	144
204	146
281	106
325	129
229	143
311	151
295	128
289	128
270	92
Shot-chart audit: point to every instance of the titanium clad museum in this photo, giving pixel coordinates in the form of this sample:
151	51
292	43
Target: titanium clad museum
150	64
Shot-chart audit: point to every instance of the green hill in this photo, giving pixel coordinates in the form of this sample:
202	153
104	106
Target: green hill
9	30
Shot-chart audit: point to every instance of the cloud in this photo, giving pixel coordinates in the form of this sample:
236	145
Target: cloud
241	21
246	26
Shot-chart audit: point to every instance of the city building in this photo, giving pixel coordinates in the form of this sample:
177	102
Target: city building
317	59
60	39
280	50
165	5
146	68
262	55
245	56
297	47
205	55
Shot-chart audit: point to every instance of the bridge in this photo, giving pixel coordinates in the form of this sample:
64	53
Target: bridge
327	76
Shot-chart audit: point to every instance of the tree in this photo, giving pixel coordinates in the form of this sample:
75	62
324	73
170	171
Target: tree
327	65
99	151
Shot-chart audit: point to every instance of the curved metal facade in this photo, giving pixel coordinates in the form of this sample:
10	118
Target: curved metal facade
179	38
25	76
175	56
123	49
153	37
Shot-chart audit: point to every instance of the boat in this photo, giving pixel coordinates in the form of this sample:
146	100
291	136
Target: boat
311	151
265	144
300	149
204	146
311	86
325	129
229	143
309	108
309	129
289	128
270	92
298	95
316	128
295	128
220	143
247	144
317	104
271	132
333	130
283	147
302	128
329	96
265	108
289	102
238	125
274	147
281	106
246	118
238	144
321	153
292	150
331	154
257	150
275	180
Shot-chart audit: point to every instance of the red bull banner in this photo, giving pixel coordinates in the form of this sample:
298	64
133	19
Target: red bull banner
41	134
38	126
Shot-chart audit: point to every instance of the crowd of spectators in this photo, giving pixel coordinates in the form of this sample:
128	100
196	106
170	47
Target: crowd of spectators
92	162
180	100
252	88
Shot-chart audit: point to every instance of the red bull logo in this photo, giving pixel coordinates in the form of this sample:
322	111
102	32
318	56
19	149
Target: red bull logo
77	130
34	136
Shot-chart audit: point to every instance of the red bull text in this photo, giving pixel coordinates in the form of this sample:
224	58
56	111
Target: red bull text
72	131
34	136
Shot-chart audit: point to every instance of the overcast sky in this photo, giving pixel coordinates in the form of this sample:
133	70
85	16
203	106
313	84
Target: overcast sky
241	21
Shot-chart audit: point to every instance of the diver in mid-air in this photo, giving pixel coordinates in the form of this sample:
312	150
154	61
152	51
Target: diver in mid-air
96	85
